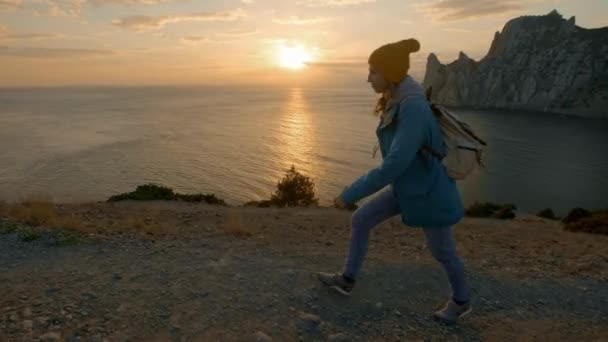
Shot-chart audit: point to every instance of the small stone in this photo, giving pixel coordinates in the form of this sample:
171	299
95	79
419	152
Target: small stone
27	312
261	337
310	318
116	276
51	336
28	325
339	337
89	295
309	322
13	318
51	290
23	297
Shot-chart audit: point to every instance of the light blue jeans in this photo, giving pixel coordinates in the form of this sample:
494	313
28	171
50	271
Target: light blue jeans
439	240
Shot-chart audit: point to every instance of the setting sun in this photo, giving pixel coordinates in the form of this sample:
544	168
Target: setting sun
293	57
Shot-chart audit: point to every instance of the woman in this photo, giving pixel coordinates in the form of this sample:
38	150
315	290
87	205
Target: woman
419	187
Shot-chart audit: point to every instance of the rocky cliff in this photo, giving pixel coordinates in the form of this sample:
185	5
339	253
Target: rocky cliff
537	63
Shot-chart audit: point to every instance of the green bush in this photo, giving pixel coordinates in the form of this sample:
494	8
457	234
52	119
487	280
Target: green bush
595	223
294	190
259	204
505	213
147	192
8	227
151	192
547	213
207	198
488	209
576	214
64	238
28	235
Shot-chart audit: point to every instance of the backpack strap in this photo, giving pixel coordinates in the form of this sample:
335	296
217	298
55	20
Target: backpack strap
428	149
425	148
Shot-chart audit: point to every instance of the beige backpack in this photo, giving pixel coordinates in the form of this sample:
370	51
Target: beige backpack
463	146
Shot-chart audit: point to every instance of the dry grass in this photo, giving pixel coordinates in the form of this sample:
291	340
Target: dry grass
234	226
34	211
41	211
597	223
133	223
72	222
3	209
151	220
148	219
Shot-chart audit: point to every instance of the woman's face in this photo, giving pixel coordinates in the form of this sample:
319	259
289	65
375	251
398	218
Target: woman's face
379	84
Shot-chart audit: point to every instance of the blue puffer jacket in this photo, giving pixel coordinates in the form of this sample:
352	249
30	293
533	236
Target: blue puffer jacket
426	195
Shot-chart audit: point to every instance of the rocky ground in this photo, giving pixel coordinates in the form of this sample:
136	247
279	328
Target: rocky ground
193	272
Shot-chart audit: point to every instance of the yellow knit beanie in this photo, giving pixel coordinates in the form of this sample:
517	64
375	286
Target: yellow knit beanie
393	60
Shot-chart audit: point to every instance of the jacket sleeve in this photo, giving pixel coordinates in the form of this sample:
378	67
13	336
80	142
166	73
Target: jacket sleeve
409	136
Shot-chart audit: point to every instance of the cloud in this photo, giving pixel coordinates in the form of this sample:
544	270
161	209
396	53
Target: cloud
29	36
452	10
456	29
295	20
241	33
141	23
127	2
10	4
195	40
336	3
338	65
53	52
6	34
58	8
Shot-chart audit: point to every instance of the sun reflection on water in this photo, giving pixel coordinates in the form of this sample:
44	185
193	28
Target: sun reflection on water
295	135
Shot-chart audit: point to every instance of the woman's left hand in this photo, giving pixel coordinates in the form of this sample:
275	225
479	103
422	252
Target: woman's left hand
339	203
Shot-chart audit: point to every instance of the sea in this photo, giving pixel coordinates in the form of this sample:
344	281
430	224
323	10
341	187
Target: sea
77	144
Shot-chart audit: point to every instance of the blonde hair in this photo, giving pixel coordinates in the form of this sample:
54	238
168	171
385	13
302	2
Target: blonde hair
383	100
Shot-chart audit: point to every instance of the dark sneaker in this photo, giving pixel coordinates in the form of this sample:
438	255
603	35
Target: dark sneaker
451	312
337	282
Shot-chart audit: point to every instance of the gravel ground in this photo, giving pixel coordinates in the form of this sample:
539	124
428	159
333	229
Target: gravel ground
530	280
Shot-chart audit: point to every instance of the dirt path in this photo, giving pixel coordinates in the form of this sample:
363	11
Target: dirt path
530	281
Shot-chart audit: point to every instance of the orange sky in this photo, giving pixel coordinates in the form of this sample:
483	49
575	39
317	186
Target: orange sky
141	42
